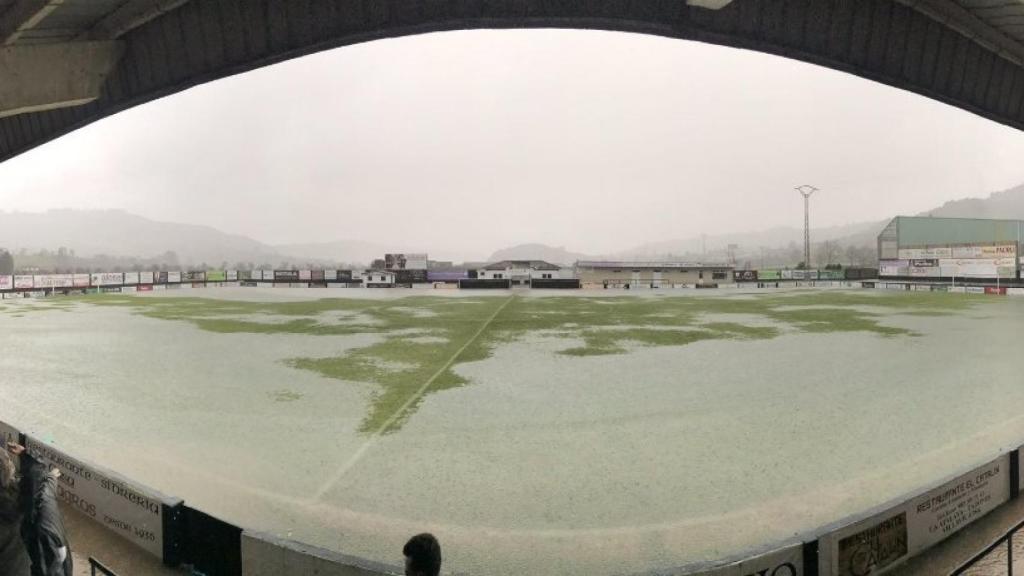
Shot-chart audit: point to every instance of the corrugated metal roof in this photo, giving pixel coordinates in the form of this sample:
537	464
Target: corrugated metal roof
926	231
967	53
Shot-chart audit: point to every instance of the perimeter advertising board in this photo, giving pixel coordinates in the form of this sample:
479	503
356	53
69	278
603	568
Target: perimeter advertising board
830	275
405	261
330	275
286	275
979	267
173	277
318	276
106	279
216	275
744	275
23	282
232	275
924	271
53	281
81	280
305	275
6	282
131	278
145	277
769	275
344	275
893	267
787	274
876	544
194	276
141	515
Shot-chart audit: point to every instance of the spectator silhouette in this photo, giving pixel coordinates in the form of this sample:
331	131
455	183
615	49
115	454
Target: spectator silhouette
42	527
422	556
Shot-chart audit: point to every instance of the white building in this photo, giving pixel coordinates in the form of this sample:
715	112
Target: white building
521	272
377	278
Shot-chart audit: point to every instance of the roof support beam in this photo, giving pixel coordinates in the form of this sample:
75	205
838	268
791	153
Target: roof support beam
46	76
130	15
24	15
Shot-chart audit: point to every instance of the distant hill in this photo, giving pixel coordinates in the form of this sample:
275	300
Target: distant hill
773	238
347	251
1008	204
552	254
118	233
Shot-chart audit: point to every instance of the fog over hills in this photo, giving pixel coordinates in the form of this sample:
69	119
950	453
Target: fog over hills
121	234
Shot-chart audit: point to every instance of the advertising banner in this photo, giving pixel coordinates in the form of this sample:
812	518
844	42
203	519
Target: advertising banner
769	275
173	277
330	275
999	251
286	275
193	276
130	510
830	274
232	275
305	274
318	276
787	274
922	253
926	272
131	278
744	275
145	277
884	540
979	267
344	275
53	281
6	282
23	282
405	261
106	279
894	268
216	275
924	263
80	280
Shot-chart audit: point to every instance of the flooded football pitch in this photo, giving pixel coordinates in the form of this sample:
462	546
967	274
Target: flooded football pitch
592	433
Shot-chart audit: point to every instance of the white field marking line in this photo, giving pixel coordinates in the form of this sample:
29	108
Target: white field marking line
358	455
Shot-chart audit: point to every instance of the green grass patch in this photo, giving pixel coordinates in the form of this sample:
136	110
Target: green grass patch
399	366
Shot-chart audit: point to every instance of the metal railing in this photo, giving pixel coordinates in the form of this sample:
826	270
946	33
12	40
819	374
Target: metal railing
994	556
97	567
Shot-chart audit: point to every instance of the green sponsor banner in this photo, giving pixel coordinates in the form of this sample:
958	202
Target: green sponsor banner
830	275
769	275
216	275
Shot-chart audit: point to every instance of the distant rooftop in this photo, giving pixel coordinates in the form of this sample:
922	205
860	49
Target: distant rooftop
927	230
648	264
531	264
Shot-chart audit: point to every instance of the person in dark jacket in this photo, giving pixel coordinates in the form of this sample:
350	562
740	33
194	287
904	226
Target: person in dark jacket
42	527
13	557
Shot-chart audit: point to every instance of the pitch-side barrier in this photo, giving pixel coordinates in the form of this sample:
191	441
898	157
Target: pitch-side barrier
873	542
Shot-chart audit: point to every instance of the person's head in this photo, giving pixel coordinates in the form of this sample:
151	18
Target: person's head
422	556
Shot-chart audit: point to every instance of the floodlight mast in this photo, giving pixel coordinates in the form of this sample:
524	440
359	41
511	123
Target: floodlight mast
806	190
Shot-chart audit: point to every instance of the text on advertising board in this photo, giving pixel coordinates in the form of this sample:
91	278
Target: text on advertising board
130	511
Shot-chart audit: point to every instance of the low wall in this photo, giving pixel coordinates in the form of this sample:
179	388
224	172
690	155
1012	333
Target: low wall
266	555
871	543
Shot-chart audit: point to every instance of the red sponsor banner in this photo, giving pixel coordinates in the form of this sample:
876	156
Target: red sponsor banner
145	288
994	290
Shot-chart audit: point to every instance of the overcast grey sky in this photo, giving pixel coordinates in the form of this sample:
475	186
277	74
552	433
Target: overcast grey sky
592	140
